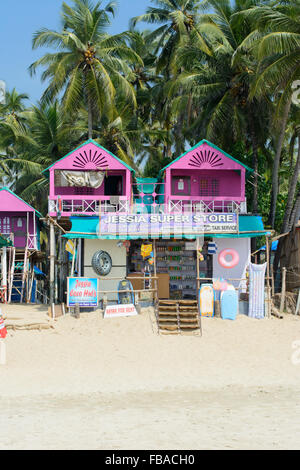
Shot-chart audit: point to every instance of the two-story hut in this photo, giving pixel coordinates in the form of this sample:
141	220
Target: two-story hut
196	201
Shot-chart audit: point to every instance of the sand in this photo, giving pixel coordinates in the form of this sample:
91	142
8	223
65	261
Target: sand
92	383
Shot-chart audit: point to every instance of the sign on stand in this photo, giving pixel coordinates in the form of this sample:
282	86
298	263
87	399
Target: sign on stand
120	310
82	291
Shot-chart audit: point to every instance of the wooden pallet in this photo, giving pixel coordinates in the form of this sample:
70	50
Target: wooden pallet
178	317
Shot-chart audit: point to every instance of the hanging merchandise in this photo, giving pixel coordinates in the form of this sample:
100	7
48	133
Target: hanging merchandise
59	207
146	250
151	260
199	253
257	290
212	248
126	243
231	263
220	284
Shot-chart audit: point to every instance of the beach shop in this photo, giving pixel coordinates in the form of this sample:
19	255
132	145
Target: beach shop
186	227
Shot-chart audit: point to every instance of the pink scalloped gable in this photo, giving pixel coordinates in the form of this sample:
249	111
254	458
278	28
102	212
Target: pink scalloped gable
89	157
205	157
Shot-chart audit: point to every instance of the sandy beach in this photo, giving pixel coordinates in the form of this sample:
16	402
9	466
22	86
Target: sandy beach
92	383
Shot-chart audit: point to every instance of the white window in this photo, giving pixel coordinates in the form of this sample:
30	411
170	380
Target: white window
4	225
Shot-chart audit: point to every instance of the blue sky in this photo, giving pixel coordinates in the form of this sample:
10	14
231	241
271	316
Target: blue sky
19	19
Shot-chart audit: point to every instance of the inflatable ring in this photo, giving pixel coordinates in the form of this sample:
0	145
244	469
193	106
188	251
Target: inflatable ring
102	263
234	258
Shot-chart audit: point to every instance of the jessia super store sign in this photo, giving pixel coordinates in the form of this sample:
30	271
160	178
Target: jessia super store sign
157	224
82	291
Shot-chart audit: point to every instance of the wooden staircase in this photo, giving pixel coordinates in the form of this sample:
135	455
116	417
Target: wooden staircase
178	317
18	273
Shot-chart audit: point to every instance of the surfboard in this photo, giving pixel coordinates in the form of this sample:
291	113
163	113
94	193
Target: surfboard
206	300
125	297
229	304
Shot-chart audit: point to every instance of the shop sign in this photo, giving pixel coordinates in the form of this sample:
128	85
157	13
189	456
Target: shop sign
163	224
82	291
120	310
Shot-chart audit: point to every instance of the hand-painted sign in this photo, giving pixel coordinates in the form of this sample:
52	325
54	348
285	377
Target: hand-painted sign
164	224
120	310
82	291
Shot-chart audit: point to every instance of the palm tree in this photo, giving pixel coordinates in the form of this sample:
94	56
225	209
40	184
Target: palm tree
14	104
44	136
90	66
13	134
216	86
178	18
278	52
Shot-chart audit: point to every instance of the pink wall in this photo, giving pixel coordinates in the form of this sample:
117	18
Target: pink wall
18	209
205	161
91	157
229	181
17	225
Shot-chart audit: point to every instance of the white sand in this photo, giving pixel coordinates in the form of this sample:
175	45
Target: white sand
115	384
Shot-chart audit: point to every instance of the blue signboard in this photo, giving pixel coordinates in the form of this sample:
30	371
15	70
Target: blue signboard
82	291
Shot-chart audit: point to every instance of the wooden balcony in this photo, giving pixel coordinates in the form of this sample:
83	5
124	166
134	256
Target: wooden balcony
68	206
204	205
89	206
31	241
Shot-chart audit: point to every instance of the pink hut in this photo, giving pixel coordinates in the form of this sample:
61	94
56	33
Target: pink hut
87	181
18	221
205	179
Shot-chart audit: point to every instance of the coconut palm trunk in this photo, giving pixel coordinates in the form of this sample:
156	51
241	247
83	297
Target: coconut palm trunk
275	170
255	161
295	215
90	117
287	220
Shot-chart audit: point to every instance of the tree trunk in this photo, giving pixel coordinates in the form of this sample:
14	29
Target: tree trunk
254	162
295	215
286	225
275	182
291	194
90	117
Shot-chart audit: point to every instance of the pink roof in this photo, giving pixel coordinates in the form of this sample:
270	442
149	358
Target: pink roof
89	156
10	202
206	156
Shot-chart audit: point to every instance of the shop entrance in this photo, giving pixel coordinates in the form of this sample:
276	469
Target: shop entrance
176	267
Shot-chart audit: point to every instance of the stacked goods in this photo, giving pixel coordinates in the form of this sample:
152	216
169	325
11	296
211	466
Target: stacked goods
178	317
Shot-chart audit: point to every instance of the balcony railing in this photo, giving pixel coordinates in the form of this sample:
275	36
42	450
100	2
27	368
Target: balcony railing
203	206
31	240
89	206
